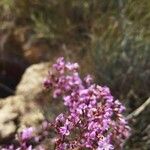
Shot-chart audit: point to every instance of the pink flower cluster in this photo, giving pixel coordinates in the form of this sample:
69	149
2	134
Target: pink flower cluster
93	119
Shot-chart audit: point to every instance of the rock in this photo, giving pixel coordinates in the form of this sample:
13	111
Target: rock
36	98
31	87
20	110
17	113
31	83
30	105
11	109
7	130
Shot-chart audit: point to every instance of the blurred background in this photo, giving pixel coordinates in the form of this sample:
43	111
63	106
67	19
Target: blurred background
110	39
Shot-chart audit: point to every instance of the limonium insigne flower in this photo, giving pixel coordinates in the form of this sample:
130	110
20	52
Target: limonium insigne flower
93	119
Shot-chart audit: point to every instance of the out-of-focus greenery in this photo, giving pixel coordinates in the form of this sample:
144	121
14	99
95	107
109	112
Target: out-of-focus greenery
121	51
111	35
110	38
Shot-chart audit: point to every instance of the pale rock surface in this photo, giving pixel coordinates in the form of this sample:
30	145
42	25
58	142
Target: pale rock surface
23	109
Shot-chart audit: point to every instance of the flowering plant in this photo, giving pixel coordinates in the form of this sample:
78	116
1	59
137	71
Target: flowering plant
93	118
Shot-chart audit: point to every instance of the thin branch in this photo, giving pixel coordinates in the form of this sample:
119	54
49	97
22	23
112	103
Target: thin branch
139	110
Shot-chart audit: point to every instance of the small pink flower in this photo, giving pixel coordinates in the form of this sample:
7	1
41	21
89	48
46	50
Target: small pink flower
64	130
27	133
